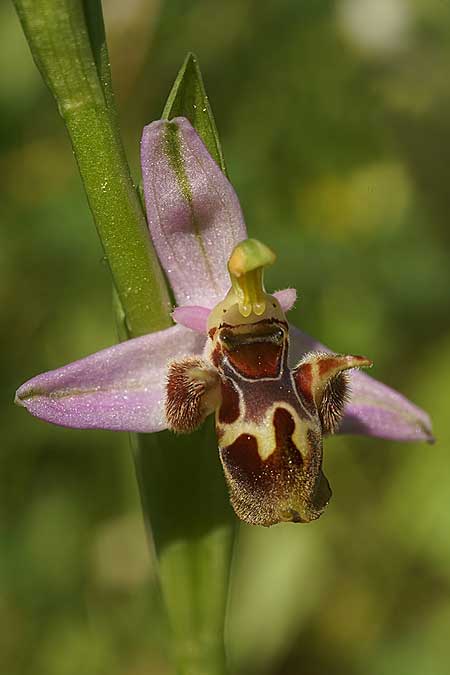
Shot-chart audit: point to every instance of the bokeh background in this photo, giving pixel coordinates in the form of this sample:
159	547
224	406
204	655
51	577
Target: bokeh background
335	122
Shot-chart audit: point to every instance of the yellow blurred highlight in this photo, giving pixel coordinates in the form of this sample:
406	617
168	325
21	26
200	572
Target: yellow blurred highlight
373	198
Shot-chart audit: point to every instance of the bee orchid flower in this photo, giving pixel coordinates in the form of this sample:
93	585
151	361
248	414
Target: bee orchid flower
274	390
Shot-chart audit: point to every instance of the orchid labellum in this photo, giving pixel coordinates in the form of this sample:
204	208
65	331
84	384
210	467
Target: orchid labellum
275	392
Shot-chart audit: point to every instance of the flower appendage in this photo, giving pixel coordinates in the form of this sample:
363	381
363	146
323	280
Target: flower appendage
275	391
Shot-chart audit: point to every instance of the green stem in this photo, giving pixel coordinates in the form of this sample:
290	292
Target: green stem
181	483
183	490
59	33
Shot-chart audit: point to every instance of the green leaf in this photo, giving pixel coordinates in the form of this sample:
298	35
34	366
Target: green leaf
191	523
67	40
188	98
97	38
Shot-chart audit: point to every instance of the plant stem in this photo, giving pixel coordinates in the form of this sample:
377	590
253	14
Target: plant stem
192	526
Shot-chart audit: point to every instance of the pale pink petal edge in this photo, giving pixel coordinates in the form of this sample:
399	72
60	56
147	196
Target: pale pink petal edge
374	409
196	317
121	388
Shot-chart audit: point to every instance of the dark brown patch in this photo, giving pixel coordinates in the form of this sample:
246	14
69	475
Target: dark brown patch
327	364
256	350
242	456
229	409
270	491
262	322
303	378
256	360
284	428
212	332
216	356
284	487
245	464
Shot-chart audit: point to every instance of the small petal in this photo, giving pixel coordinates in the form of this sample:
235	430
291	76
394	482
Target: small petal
120	388
196	318
193	212
286	298
374	409
193	317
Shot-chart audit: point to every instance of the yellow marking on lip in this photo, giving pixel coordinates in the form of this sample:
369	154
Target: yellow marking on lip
264	431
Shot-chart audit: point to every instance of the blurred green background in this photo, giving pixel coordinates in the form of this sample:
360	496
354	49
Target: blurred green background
335	122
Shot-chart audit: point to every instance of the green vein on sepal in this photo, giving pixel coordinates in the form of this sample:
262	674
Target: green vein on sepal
173	150
172	147
188	98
